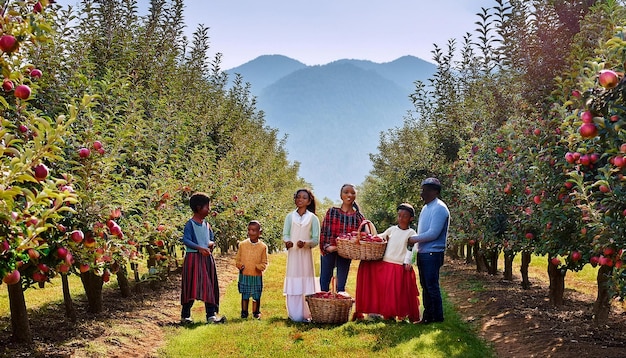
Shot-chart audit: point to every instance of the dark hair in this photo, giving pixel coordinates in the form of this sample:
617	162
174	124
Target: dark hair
198	200
311	206
408	207
255	222
354	204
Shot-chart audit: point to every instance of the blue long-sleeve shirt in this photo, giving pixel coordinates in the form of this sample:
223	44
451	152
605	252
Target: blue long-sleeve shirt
432	227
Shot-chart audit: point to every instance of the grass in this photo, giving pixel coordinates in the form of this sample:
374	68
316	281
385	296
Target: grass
583	281
275	336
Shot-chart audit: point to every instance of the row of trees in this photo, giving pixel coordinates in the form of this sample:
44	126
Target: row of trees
526	130
110	121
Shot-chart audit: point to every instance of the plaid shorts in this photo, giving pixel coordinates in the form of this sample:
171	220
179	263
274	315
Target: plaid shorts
250	286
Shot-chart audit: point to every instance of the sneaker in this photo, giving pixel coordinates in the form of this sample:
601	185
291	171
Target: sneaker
244	314
215	320
186	321
257	315
343	293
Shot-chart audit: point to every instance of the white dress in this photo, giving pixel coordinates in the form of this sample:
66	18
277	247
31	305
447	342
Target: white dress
300	274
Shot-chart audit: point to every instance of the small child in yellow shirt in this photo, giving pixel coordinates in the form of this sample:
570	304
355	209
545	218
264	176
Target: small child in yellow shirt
251	260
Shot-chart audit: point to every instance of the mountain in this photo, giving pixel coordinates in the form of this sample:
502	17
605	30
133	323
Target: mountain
333	114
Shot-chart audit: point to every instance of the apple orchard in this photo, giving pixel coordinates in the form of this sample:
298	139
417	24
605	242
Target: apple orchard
110	121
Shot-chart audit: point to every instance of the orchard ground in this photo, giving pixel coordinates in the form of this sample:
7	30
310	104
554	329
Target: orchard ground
517	322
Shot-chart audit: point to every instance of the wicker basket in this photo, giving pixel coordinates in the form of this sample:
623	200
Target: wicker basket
329	310
362	250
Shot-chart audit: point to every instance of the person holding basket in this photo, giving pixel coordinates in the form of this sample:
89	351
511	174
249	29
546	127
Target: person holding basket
388	287
338	221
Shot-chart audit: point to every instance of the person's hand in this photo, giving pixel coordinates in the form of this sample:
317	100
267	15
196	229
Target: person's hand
205	251
300	243
288	245
211	246
407	267
331	248
242	267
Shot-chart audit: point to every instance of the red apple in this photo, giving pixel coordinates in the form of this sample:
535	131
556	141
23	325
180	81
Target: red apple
499	150
97	145
594	157
530	235
569	157
586	117
622	148
8	43
84	152
619	161
614	118
568	185
41	171
12	277
4	246
62	252
22	92
33	254
555	261
588	130
608	251
7	85
161	227
608	79
22	128
83	268
43	267
471	242
89	242
585	160
576	93
36	73
63	268
101	151
537	131
593	260
159	243
37	8
115	230
39	276
106	276
77	236
605	189
537	199
576	256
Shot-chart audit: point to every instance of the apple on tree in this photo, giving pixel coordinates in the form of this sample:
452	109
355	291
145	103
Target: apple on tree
608	79
41	171
22	92
12	277
8	43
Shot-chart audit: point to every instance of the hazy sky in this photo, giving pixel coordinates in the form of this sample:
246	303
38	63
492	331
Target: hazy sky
320	31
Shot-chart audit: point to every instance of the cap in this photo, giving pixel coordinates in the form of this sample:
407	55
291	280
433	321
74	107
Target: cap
408	207
432	181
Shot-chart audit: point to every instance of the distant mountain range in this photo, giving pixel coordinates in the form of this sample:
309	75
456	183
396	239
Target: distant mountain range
333	114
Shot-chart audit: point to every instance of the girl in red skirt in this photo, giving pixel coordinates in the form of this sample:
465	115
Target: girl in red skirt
388	288
199	280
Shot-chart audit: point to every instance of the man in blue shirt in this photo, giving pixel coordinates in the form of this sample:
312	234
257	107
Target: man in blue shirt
432	233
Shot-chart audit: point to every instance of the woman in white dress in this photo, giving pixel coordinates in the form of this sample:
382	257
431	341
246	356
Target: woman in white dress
301	233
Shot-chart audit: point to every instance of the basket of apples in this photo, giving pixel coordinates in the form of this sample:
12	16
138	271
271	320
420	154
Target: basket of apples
362	245
329	307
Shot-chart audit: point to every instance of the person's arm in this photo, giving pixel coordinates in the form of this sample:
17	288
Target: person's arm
187	237
408	258
438	221
326	232
238	262
264	262
315	231
287	231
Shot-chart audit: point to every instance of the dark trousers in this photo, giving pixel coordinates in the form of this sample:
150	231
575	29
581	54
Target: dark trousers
428	265
328	264
210	309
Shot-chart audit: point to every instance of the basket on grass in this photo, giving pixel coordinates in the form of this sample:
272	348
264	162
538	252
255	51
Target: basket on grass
361	245
329	307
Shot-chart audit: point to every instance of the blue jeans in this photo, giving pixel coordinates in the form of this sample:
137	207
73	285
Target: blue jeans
428	265
328	264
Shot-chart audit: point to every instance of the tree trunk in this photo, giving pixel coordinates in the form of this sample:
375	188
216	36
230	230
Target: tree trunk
481	265
70	312
19	316
470	254
122	281
526	257
453	252
92	284
602	306
135	268
557	284
509	255
491	261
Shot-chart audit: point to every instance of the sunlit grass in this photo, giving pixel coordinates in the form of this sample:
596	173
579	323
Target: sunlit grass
583	281
275	336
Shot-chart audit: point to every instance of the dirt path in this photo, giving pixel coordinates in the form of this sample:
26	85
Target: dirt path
518	323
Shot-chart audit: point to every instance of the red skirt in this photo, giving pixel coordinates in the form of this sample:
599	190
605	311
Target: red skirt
386	289
199	281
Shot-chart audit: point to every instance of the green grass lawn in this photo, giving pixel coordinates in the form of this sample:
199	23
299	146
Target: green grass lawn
275	336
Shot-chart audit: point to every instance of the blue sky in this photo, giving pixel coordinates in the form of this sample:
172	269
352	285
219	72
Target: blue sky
321	31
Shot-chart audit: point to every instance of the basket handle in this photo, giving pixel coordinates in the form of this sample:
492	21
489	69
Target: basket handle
370	226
